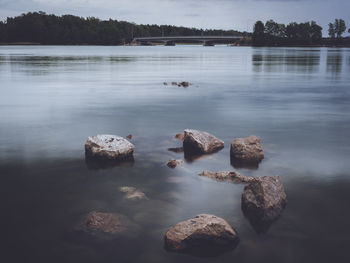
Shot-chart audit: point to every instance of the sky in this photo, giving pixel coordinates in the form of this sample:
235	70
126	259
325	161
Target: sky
214	14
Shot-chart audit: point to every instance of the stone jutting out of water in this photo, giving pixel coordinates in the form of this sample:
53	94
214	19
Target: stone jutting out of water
103	222
247	149
228	176
202	233
263	199
173	163
179	136
111	147
199	142
131	193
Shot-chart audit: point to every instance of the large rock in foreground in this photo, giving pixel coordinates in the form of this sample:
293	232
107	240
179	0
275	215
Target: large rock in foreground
247	150
232	177
110	147
263	199
199	142
202	235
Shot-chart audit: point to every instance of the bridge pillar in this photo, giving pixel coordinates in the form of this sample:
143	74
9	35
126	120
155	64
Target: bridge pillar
169	43
208	44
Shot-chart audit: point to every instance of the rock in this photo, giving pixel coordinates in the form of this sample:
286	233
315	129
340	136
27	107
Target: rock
103	222
247	150
201	234
180	136
132	193
109	147
173	163
184	84
174	83
263	199
232	177
165	83
199	142
129	137
176	149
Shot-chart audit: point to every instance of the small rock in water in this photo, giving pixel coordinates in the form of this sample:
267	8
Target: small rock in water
111	147
180	136
201	235
247	150
165	83
232	177
199	142
173	163
184	84
132	193
129	137
174	83
104	222
263	200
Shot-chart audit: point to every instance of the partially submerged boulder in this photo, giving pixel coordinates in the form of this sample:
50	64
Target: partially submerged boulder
104	222
263	199
232	177
110	147
179	136
200	142
247	150
173	163
201	234
131	193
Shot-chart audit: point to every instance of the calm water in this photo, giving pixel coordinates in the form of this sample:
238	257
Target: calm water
52	98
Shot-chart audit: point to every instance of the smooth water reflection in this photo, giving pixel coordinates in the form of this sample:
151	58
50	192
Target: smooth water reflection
52	98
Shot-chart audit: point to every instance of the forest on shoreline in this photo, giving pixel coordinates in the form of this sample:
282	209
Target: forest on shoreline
48	29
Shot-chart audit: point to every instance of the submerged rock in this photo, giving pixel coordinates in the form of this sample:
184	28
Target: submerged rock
109	147
232	177
247	149
263	200
104	222
179	136
199	142
203	234
132	193
173	163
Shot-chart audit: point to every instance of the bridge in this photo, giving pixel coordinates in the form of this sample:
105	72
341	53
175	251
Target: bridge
170	41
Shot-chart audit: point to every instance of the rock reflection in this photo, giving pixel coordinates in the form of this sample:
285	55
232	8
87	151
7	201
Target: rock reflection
239	164
100	164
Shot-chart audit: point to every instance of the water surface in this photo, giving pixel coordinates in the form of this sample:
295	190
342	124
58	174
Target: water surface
52	98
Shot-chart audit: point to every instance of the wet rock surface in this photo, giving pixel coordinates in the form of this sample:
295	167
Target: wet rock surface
131	193
173	163
203	235
263	201
246	151
227	176
109	147
199	142
104	222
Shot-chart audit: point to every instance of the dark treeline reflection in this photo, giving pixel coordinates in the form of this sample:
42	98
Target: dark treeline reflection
286	61
334	61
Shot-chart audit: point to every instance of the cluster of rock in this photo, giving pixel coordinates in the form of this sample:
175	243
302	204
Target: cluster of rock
184	84
263	198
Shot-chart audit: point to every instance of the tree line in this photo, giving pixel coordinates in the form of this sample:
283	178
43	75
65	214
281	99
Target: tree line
42	28
309	33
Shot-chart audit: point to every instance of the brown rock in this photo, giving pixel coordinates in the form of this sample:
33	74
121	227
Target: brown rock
165	83
199	142
184	84
174	83
110	147
173	163
103	222
202	233
232	177
263	199
129	137
132	193
247	149
179	136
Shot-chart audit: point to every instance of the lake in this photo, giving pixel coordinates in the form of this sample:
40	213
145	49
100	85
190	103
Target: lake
53	97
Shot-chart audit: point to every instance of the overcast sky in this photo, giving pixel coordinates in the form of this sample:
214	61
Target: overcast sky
225	14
